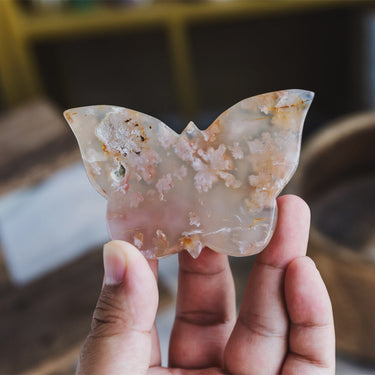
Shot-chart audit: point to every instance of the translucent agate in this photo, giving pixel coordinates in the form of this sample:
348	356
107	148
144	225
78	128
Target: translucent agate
217	188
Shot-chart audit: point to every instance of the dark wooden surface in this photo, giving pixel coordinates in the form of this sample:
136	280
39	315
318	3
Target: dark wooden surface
44	320
43	324
35	141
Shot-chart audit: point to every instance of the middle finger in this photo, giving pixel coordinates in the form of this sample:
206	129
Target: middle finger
205	312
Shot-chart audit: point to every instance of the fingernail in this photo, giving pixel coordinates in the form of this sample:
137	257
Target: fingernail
114	264
310	261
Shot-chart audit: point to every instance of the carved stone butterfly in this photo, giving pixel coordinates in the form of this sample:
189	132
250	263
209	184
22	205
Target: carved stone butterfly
168	192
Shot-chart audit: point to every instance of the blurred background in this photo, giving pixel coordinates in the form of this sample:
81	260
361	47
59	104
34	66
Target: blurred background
177	61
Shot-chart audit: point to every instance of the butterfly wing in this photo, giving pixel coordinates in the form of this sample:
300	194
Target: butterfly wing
112	140
127	156
262	135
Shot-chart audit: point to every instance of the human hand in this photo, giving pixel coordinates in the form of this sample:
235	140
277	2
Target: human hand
285	324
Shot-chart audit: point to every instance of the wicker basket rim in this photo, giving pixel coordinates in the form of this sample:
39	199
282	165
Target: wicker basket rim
333	132
319	240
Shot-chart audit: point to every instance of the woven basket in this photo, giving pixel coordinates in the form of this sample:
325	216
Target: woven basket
336	177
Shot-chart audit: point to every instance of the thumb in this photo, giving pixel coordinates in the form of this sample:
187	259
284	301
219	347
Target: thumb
120	338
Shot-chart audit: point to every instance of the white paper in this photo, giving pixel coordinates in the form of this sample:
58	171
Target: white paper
50	224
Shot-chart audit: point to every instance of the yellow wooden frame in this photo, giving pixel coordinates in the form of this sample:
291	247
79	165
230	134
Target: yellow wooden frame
21	78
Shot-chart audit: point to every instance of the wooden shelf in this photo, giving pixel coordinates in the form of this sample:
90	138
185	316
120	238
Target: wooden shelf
70	23
21	78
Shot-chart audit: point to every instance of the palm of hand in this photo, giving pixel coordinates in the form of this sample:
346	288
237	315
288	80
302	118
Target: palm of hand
285	323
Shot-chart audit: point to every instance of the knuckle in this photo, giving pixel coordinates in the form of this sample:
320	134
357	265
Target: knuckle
203	317
258	325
